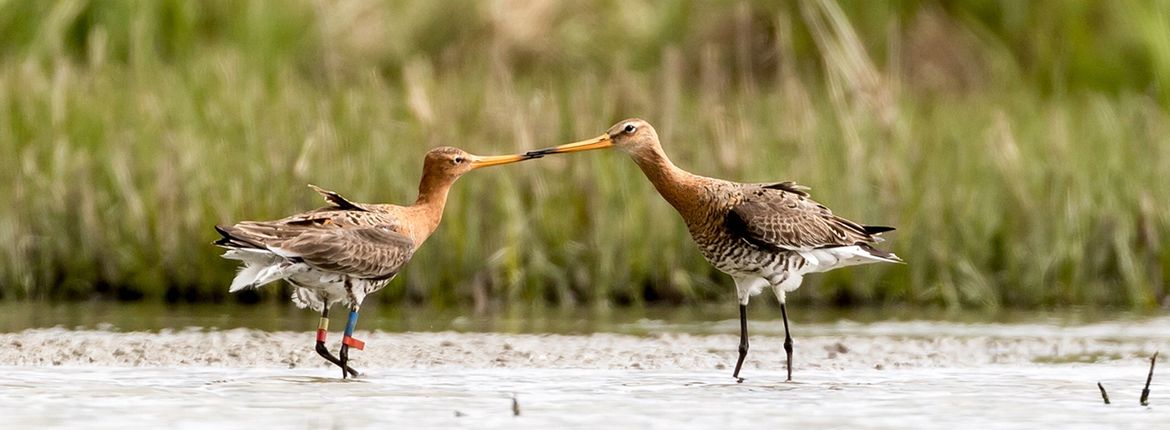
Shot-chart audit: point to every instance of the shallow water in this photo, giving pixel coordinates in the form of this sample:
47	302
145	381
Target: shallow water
987	397
1041	372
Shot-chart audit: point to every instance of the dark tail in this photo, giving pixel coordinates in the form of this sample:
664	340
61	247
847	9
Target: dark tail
876	229
229	240
884	255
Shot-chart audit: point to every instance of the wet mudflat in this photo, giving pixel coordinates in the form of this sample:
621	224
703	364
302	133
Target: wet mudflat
1033	396
633	372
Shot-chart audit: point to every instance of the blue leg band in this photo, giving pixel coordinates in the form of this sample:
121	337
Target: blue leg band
351	324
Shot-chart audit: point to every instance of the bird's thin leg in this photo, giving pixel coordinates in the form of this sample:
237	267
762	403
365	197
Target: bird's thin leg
344	359
743	342
347	341
322	350
322	334
787	341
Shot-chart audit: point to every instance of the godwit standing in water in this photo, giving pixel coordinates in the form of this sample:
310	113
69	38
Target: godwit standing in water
345	251
767	234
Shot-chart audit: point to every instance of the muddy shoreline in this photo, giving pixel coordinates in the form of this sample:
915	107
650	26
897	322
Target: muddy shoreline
255	348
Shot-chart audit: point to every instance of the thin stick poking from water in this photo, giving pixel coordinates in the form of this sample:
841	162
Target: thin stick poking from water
1104	395
515	406
1150	377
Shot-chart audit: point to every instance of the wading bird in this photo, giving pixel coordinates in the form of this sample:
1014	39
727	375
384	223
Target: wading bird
768	234
345	251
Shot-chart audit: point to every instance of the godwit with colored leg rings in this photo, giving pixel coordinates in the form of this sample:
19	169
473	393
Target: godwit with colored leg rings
345	251
769	234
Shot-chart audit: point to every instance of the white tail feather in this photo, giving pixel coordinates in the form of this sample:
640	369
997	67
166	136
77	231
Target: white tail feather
260	267
246	277
825	259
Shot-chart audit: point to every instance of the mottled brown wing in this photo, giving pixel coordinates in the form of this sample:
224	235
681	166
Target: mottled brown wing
375	252
784	218
262	234
340	213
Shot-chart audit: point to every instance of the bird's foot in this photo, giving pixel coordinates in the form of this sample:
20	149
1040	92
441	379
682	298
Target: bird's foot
347	342
328	356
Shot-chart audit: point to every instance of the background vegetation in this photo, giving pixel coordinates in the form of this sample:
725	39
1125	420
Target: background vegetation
1022	148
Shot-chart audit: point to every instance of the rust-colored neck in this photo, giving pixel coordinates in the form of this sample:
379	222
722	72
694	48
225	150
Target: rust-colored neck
674	184
432	198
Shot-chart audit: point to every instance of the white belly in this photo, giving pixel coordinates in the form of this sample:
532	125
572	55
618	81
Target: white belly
754	268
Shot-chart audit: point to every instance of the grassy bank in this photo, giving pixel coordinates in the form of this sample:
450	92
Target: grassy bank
1019	172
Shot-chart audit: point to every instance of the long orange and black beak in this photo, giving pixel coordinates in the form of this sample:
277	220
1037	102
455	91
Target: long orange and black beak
599	142
478	161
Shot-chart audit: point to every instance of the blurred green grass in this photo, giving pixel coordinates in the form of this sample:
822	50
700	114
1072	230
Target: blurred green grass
1021	148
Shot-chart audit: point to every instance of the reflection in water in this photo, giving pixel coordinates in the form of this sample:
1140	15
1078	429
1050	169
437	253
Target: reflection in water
1022	396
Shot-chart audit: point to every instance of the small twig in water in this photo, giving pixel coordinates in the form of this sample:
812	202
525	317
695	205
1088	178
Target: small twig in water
1104	395
1150	377
515	406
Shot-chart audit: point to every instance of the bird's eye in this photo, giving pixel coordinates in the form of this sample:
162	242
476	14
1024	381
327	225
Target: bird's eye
630	129
458	160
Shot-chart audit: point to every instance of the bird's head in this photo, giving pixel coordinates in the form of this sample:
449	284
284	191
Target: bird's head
633	136
453	162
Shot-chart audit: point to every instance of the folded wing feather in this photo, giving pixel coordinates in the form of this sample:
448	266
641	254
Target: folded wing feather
782	217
